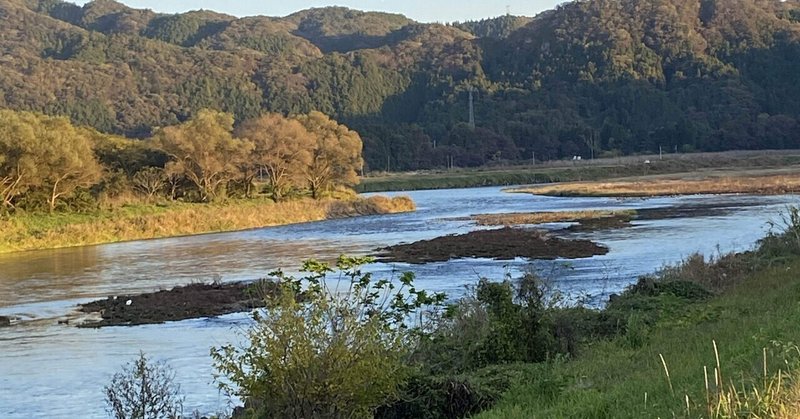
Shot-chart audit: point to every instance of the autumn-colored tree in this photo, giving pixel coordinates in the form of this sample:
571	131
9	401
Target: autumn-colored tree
281	149
204	150
37	151
18	145
66	153
335	158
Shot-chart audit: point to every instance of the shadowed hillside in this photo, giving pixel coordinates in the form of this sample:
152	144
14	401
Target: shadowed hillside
589	78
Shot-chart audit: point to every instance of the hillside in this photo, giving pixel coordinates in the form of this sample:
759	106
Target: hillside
590	77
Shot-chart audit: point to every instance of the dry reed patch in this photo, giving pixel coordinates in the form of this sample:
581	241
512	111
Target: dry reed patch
520	218
766	185
41	232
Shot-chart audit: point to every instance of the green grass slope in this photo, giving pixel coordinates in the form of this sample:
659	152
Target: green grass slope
754	327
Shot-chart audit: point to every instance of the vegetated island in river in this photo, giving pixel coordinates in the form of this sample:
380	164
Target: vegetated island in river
503	244
589	220
45	231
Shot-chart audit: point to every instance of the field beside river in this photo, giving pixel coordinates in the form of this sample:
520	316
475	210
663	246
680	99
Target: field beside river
583	170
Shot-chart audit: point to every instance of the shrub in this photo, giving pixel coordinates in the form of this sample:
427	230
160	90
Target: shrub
496	323
453	395
144	390
326	352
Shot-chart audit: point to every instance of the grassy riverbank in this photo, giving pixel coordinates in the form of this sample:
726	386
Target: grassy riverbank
137	222
682	353
585	170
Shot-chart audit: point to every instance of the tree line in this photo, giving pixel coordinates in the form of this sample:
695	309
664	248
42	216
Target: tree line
47	163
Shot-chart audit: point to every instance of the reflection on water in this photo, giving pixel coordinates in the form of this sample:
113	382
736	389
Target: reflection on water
59	371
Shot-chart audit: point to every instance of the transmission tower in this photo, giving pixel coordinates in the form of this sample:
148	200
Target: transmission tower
471	109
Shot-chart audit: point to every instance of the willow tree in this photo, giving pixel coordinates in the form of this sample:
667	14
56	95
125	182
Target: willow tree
46	153
68	156
336	155
281	149
204	150
18	153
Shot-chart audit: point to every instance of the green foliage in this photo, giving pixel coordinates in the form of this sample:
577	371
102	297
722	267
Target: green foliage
144	390
499	323
186	29
327	348
455	396
590	77
45	158
496	28
204	151
744	337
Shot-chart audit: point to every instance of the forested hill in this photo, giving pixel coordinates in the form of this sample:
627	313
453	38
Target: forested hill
594	76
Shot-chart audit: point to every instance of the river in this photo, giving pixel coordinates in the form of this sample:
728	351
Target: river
51	370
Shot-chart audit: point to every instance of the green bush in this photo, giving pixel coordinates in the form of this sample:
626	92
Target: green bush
327	349
496	323
456	395
144	390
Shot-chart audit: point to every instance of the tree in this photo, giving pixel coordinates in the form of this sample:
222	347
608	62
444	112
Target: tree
144	390
281	149
150	181
68	158
18	151
38	151
336	156
204	150
320	351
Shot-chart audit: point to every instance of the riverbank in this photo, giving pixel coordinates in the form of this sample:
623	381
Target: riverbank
692	184
734	355
139	222
583	170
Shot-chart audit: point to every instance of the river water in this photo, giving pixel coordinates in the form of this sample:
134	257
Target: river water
51	370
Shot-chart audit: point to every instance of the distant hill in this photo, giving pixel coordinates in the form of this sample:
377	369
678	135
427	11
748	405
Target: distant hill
592	76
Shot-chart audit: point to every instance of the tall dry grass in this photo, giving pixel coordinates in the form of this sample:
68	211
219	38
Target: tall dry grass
42	231
520	218
772	185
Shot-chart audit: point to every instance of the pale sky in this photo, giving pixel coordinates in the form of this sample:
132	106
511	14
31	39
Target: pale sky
420	10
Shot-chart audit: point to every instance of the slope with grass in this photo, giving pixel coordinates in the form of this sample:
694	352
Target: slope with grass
735	355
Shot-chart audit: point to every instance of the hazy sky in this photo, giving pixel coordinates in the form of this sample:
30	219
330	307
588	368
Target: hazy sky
421	10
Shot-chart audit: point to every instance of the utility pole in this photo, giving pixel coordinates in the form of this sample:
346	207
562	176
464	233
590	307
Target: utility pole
660	153
533	158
